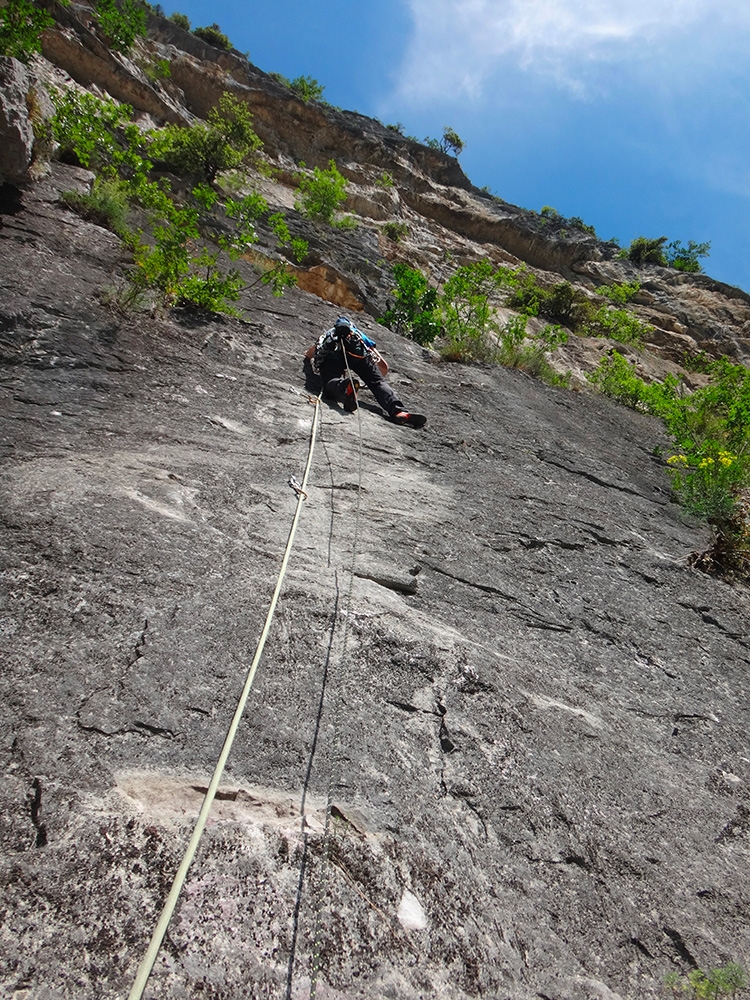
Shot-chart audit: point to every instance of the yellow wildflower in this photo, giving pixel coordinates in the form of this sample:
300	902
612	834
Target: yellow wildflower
677	460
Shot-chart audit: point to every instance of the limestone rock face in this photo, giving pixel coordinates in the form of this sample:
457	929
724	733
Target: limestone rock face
74	47
490	658
16	133
716	316
531	716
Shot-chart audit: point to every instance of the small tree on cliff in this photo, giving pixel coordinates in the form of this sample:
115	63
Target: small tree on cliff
451	141
321	193
213	35
205	150
121	22
21	27
414	312
683	258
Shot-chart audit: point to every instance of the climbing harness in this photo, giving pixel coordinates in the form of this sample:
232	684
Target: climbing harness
160	930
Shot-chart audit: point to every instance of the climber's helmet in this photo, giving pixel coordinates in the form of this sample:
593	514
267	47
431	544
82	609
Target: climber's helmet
342	327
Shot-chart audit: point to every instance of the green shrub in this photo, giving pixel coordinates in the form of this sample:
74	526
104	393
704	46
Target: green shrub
159	69
577	223
307	88
297	246
617	324
562	303
708	484
299	249
213	35
278	278
245	213
686	258
87	126
510	342
122	21
203	150
385	180
620	293
106	205
550	214
347	222
396	231
451	141
181	20
516	349
710	429
468	318
674	254
171	256
615	377
98	133
473	333
646	251
185	272
464	314
414	312
21	28
726	981
209	292
526	294
166	263
321	193
720	411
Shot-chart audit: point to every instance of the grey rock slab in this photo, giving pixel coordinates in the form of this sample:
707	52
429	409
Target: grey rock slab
16	133
531	712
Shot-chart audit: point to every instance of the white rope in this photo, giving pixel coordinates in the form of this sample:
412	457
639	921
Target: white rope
167	912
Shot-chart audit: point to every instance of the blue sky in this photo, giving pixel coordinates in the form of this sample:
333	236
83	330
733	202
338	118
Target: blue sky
634	116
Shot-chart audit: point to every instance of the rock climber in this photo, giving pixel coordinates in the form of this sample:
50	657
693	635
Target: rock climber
344	357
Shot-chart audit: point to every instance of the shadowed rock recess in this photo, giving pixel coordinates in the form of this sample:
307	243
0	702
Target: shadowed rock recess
536	732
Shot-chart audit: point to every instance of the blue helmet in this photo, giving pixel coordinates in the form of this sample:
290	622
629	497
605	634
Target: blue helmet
343	323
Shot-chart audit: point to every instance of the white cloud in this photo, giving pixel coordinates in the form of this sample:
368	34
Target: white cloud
458	45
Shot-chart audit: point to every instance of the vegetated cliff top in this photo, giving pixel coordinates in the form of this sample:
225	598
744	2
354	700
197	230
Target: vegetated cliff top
447	220
537	727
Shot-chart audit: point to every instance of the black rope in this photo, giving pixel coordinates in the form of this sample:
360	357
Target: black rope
318	890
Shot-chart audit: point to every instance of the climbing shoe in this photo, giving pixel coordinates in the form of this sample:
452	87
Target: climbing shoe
412	419
350	397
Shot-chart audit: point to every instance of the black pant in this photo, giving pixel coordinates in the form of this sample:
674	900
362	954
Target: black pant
333	372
